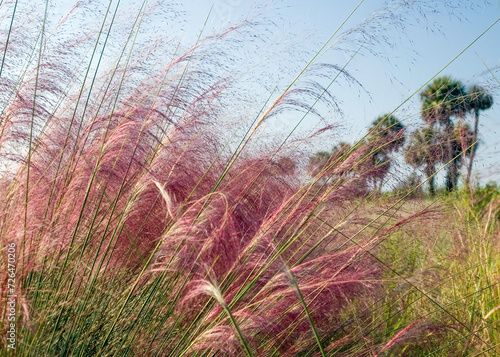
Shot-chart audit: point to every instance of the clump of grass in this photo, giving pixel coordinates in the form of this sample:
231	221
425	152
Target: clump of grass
130	202
149	219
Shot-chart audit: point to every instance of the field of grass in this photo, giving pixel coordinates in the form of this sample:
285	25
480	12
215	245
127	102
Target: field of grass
143	213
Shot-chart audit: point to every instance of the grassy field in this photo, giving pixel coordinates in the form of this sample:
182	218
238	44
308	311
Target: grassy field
143	213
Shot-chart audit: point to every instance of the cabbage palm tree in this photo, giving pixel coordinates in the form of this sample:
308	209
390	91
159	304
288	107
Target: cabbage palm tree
429	147
386	136
425	150
478	99
442	100
389	131
321	159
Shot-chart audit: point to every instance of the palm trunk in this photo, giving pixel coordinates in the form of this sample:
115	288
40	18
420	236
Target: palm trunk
452	177
429	171
432	190
473	148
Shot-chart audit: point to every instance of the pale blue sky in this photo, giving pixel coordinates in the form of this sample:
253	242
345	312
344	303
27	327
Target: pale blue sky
414	53
399	53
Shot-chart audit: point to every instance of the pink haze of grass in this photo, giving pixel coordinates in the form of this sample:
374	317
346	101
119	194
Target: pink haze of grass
95	189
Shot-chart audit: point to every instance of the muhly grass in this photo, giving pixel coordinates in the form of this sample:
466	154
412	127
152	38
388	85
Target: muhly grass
150	222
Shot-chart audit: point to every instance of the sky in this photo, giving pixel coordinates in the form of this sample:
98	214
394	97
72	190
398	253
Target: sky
406	55
389	49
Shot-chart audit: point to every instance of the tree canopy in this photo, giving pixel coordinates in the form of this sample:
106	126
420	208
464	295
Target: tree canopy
443	99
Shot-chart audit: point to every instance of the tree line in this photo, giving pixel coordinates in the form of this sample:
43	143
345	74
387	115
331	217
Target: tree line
446	138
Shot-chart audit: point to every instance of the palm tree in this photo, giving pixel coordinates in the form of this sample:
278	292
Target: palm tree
386	136
478	100
443	99
389	131
425	149
368	161
430	146
455	144
322	160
